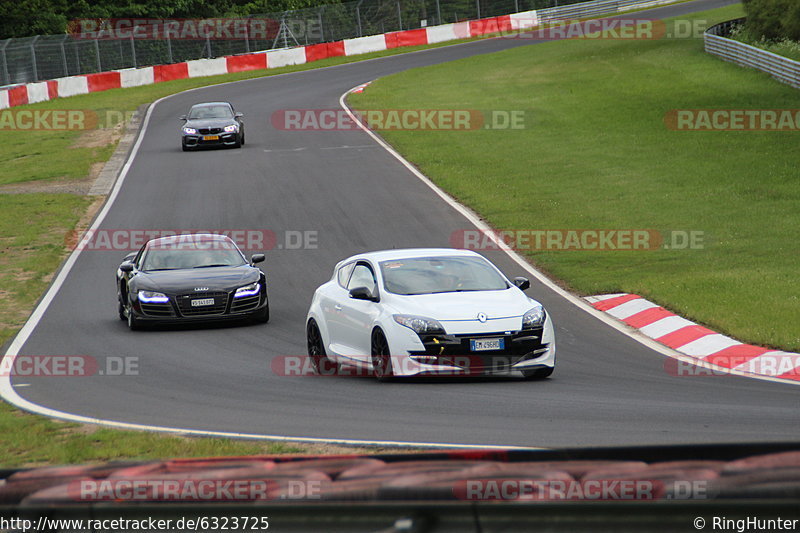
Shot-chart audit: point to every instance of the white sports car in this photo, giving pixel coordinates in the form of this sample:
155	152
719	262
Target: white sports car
423	312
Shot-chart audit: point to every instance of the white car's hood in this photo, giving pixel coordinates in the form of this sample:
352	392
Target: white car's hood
453	306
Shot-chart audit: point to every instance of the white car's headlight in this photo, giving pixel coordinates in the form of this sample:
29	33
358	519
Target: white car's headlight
533	318
151	297
248	290
232	128
420	324
190	131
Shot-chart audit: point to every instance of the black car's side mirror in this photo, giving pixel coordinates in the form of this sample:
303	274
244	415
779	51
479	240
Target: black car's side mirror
238	115
522	283
183	117
257	258
362	293
126	267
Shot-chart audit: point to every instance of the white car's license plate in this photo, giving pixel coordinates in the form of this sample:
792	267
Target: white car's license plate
202	302
482	345
210	137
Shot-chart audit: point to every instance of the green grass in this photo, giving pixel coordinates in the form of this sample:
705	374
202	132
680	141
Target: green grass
596	154
30	251
29	440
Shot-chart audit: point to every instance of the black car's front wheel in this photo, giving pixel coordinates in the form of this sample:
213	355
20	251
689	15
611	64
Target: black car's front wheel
262	316
381	357
121	311
133	322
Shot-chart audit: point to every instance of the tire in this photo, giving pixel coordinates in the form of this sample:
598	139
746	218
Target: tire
121	311
316	350
381	357
242	137
262	317
184	147
539	373
133	322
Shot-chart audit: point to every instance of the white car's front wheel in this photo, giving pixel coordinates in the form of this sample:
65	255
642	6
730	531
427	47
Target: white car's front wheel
316	350
381	356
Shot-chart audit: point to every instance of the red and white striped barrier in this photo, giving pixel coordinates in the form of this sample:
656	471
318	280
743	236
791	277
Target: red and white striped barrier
693	340
89	83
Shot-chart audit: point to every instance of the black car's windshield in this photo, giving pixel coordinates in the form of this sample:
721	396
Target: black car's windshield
210	112
191	255
430	275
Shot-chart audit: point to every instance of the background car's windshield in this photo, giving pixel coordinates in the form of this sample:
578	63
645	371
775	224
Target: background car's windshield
429	275
190	256
210	112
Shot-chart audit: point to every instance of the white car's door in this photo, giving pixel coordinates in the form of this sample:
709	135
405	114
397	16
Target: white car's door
358	315
332	300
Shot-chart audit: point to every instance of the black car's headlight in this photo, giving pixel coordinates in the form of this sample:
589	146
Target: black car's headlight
533	318
190	131
420	324
233	128
151	297
248	290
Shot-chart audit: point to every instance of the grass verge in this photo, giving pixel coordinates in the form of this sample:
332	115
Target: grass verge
596	154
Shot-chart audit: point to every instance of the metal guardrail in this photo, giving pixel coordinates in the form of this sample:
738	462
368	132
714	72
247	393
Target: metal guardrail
593	9
781	68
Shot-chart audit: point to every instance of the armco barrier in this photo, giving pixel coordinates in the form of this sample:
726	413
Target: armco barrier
74	85
781	68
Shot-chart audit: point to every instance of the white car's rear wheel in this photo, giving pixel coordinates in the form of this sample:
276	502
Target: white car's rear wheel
381	356
316	350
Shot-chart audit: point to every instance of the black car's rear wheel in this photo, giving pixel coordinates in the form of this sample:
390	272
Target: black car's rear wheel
381	357
316	350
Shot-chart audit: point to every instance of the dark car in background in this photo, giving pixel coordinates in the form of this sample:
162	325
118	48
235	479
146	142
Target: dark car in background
212	124
192	277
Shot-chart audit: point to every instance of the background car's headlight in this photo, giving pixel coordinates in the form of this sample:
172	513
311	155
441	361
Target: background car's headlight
248	290
420	324
533	318
232	128
190	131
150	297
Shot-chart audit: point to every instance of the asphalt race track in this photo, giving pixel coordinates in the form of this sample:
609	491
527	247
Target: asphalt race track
608	389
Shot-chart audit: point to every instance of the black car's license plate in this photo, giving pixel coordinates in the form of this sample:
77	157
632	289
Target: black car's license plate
202	302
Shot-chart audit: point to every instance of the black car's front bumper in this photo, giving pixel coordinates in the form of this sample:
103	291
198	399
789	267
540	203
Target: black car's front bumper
180	309
199	140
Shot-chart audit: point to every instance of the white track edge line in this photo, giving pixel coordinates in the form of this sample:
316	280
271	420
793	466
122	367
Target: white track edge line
577	301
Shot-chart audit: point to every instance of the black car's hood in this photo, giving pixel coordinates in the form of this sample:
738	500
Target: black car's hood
189	279
209	123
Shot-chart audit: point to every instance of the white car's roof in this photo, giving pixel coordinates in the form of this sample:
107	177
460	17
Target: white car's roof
407	253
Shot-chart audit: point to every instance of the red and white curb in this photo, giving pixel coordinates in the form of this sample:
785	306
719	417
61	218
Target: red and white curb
696	341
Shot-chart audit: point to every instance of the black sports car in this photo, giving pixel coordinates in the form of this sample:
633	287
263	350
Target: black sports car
212	124
191	278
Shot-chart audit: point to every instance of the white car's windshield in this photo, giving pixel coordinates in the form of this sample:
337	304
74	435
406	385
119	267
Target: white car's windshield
430	275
